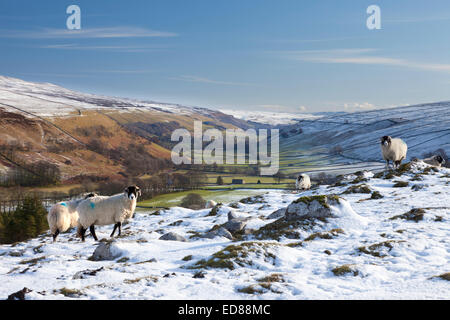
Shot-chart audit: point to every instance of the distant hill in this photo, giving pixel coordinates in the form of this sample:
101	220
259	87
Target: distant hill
90	134
355	137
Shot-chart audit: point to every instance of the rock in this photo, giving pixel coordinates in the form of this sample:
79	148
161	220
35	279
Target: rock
215	210
17	253
232	215
85	273
168	275
220	232
360	188
235	225
199	275
312	207
253	200
19	295
234	205
107	250
277	214
417	187
173	237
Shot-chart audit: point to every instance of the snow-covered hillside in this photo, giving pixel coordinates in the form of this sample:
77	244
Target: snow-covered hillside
425	128
49	100
389	243
271	118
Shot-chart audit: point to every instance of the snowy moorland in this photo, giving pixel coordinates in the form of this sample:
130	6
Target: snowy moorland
49	100
271	118
424	127
387	239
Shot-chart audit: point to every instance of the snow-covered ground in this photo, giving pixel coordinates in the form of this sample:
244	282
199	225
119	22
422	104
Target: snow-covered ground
272	118
383	258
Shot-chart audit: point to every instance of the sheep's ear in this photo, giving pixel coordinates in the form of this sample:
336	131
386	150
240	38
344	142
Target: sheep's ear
126	190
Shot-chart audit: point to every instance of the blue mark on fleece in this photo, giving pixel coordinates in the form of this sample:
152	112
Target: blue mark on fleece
92	205
64	204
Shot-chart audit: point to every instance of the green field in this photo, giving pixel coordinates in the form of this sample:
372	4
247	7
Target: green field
174	198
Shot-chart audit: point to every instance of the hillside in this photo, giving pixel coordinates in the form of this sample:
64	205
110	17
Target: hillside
385	241
355	137
86	133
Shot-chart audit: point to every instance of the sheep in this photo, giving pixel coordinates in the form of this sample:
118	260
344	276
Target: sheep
303	182
435	161
210	204
103	210
393	149
63	215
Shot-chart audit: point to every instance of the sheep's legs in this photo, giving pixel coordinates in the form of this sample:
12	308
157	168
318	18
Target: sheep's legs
118	224
120	228
92	229
397	163
114	230
387	164
81	232
55	234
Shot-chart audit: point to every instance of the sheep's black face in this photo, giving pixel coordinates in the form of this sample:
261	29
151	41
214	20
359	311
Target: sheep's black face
439	159
90	195
300	178
386	140
133	192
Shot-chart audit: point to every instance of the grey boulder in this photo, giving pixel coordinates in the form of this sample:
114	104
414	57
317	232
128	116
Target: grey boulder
172	236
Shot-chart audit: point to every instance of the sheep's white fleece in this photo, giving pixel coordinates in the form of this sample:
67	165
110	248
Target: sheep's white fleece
210	204
102	210
396	151
303	182
63	215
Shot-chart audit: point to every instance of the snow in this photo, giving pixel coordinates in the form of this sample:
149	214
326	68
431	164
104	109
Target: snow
49	100
272	118
419	252
425	128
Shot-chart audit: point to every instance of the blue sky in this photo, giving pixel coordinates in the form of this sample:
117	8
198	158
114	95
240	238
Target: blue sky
286	56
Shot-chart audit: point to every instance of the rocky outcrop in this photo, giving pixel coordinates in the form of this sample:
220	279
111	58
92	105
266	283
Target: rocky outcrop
107	250
172	236
312	207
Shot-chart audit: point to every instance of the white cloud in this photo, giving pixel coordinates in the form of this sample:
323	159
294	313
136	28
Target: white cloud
282	108
356	106
359	56
86	33
189	78
118	48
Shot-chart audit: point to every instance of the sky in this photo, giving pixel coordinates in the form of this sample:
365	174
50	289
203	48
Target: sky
261	55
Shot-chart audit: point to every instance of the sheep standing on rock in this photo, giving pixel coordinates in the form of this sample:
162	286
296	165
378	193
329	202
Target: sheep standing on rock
393	149
103	210
435	161
303	182
64	215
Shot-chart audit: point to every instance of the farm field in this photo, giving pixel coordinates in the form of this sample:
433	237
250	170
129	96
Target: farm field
173	199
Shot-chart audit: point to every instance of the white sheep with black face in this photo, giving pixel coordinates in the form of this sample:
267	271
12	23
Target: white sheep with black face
103	210
436	161
303	182
393	149
64	215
